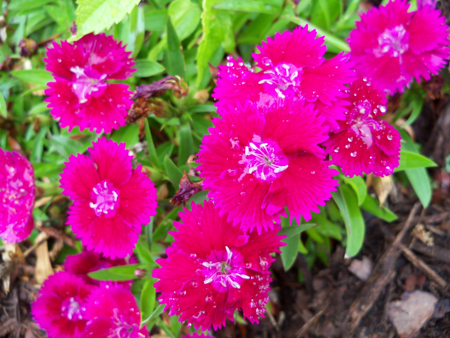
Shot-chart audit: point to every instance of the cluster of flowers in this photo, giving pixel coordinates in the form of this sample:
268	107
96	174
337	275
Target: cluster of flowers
280	130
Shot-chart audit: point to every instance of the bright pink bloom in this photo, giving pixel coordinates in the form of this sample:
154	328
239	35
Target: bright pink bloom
111	199
17	192
423	3
365	143
113	313
292	66
213	268
391	46
60	307
257	161
81	94
88	261
196	335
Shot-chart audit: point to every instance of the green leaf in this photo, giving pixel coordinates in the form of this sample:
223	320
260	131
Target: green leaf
172	172
38	145
155	314
186	147
417	177
175	59
217	31
155	20
25	5
325	12
293	230
146	68
3	107
128	134
148	298
151	146
413	160
346	200
289	251
36	76
137	30
99	15
359	185
185	16
116	273
144	253
249	6
372	205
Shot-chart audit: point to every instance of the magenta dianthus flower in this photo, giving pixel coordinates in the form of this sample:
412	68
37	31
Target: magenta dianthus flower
213	268
292	65
257	161
81	94
111	199
365	143
113	313
60	307
17	193
88	261
391	46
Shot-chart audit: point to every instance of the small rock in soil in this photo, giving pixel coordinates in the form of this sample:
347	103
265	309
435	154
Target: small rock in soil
412	312
361	269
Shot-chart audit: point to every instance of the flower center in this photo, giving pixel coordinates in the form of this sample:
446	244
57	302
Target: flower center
364	122
123	329
264	160
393	42
224	269
106	199
87	85
281	80
71	309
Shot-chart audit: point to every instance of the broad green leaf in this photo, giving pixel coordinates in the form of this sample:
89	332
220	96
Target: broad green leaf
185	16
249	6
347	202
417	177
36	76
325	12
372	205
186	147
175	59
359	185
99	15
173	172
116	273
3	108
217	31
146	68
137	30
151	146
289	252
128	134
413	160
148	298
155	20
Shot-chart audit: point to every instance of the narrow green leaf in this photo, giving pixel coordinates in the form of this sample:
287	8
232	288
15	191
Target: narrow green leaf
99	15
144	253
116	273
146	68
148	298
249	6
35	76
325	12
128	134
172	172
359	185
151	146
186	147
175	59
137	30
25	5
3	108
347	202
149	233
155	314
293	230
413	160
38	146
289	252
372	205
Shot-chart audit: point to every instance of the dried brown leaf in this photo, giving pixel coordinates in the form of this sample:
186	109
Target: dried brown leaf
187	189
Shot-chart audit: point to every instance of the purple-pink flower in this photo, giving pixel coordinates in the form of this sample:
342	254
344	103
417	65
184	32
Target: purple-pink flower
391	46
81	94
292	66
60	308
113	312
259	160
365	143
213	268
111	199
88	261
17	193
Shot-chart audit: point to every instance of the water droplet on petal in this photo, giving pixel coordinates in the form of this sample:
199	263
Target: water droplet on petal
353	154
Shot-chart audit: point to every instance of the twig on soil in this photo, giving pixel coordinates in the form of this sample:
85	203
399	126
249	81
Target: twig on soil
383	273
436	252
34	246
310	322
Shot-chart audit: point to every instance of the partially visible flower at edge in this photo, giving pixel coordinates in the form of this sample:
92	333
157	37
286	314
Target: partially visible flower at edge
17	194
365	143
391	46
60	307
196	335
107	213
81	94
213	268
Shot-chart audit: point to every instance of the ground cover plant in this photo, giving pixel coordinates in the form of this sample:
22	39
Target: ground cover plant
166	166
